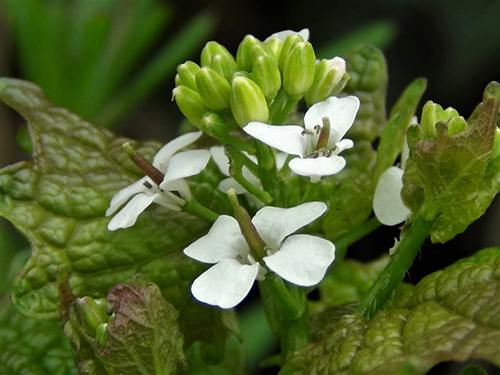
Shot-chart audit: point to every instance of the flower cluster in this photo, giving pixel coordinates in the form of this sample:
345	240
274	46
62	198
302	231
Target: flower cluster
232	99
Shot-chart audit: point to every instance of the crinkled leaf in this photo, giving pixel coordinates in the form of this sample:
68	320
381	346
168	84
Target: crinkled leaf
450	172
58	200
141	337
30	346
449	315
367	67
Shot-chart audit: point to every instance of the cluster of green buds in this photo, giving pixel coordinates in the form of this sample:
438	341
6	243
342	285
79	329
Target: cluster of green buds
262	83
90	315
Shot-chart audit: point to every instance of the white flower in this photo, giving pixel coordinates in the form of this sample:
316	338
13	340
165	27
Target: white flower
296	140
145	191
300	259
387	203
282	35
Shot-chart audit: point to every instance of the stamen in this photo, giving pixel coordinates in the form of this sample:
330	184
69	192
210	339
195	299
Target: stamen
139	160
324	134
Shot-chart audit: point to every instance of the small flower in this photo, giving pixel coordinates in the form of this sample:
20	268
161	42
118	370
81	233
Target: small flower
171	193
318	155
282	35
300	259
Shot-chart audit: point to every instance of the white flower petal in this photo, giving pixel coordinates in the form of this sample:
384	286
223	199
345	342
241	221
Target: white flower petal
230	183
317	167
220	158
302	259
286	138
343	144
185	164
180	186
225	284
161	159
282	35
280	160
340	111
223	241
126	193
128	214
274	223
387	203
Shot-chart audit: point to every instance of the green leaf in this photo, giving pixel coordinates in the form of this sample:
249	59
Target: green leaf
367	68
447	178
30	346
58	200
449	315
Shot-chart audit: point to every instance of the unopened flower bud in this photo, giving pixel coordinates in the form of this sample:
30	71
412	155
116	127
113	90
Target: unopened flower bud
275	44
224	63
262	49
327	75
287	47
457	125
244	55
214	125
101	335
248	103
213	88
91	314
190	104
432	114
266	74
187	72
298	73
178	80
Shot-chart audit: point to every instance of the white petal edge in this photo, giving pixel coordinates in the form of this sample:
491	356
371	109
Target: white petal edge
220	159
387	203
223	241
340	111
180	186
302	260
286	138
185	164
343	144
230	183
274	223
282	35
128	214
126	193
161	159
225	284
317	167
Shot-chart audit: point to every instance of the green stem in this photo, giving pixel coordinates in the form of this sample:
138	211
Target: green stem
280	117
268	174
194	207
343	242
393	273
310	193
277	105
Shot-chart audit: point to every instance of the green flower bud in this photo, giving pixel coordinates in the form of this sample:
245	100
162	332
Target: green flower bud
187	72
432	114
190	104
275	45
101	335
248	103
224	63
178	80
266	74
287	47
327	75
214	90
457	125
90	314
298	74
262	49
214	125
219	65
244	55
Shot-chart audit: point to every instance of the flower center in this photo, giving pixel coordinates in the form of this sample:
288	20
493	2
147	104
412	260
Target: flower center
321	148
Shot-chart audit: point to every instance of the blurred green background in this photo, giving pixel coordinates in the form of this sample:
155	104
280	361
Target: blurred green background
113	62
